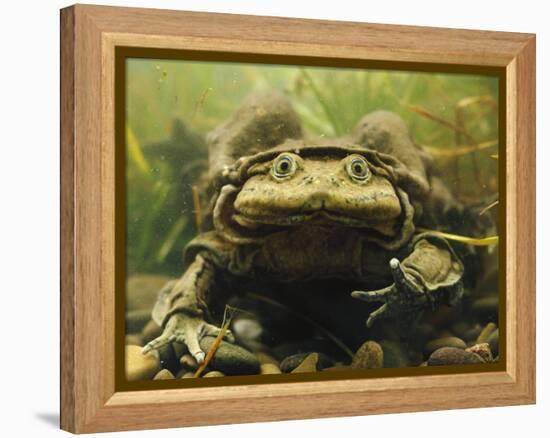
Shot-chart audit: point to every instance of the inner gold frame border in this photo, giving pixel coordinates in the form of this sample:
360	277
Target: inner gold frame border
95	39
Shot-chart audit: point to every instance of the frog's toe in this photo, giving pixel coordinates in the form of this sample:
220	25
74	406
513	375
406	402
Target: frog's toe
212	330
373	295
380	313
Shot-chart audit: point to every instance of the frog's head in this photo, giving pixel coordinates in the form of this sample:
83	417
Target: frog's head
331	186
290	190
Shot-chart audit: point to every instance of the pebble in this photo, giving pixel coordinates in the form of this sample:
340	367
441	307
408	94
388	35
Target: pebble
266	358
291	362
187	375
395	355
188	362
141	366
269	368
494	342
369	355
483	351
453	356
134	340
308	365
448	341
213	374
150	331
164	374
230	358
486	332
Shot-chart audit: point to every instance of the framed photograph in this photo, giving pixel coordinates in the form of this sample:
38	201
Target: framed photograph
272	218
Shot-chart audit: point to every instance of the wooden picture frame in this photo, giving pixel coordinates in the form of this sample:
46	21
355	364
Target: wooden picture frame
90	36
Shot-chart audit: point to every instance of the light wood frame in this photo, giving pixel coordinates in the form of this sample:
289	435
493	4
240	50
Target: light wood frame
89	35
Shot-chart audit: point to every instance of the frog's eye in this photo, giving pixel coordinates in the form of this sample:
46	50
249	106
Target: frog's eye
358	168
284	165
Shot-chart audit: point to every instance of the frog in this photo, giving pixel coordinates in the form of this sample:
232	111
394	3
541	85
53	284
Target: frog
286	208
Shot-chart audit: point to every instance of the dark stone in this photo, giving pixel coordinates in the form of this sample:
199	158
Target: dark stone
448	341
231	359
292	362
453	356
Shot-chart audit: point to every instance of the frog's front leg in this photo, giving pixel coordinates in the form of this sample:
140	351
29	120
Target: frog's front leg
430	275
180	309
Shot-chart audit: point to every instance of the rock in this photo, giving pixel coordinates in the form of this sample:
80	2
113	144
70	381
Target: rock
486	332
187	375
453	356
266	358
136	320
213	374
134	340
164	374
424	364
494	342
141	366
150	331
230	358
291	362
269	368
483	351
395	355
142	290
369	355
188	362
448	341
308	365
486	307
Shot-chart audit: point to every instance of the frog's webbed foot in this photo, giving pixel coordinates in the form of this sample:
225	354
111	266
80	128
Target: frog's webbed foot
405	298
188	330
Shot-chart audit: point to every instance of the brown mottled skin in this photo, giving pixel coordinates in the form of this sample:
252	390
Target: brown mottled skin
285	209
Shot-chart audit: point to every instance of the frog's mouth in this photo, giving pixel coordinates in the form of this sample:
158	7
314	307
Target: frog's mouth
240	227
321	217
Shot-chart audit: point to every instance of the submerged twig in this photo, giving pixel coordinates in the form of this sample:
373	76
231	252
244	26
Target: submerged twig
215	345
200	103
